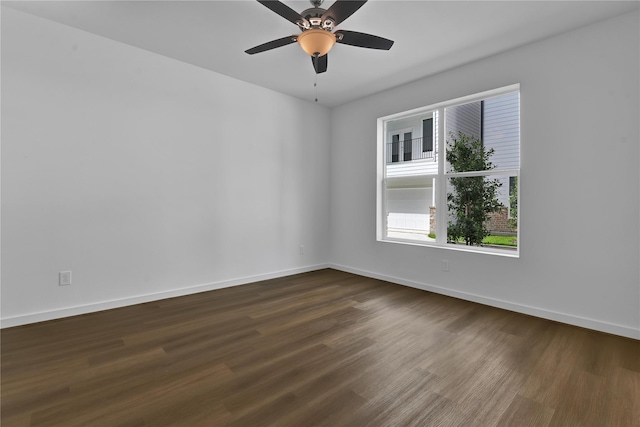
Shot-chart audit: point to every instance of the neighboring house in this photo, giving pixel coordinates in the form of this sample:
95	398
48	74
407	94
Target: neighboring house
411	159
410	154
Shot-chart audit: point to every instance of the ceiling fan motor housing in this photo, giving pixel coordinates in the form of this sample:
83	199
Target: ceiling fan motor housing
313	19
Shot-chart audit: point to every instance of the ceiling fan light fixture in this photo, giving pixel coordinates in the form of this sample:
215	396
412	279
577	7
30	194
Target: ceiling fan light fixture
316	41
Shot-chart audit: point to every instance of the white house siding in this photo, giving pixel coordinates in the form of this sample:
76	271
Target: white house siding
412	168
410	124
502	133
463	118
415	167
502	130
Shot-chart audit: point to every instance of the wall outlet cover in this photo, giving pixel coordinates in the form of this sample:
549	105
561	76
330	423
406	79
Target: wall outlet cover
64	278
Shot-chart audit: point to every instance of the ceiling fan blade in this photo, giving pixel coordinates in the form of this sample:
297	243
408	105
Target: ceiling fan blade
320	63
272	45
283	10
342	9
369	41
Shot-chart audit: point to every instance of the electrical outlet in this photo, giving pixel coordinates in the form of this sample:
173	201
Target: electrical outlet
64	278
301	249
445	265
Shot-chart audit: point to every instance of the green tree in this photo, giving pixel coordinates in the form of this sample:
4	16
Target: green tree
473	198
513	203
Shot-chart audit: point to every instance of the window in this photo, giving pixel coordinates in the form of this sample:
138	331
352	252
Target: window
456	184
401	142
408	148
395	148
427	135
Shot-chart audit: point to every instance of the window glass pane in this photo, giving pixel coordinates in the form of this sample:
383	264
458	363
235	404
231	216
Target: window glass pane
409	211
478	212
491	126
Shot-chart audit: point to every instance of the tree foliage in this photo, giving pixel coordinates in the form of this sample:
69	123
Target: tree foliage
472	198
513	204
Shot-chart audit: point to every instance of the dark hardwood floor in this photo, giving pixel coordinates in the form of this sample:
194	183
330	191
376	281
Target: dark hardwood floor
325	348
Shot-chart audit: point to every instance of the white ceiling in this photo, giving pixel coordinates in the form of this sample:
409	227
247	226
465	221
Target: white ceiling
430	36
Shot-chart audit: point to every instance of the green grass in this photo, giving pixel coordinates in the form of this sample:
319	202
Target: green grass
501	240
493	240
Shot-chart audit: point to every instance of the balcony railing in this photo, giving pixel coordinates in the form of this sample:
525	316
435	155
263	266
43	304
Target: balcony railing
409	150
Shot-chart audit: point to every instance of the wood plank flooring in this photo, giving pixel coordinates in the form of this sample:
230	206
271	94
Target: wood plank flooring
324	348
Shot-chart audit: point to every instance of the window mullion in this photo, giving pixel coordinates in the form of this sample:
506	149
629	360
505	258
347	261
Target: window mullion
441	182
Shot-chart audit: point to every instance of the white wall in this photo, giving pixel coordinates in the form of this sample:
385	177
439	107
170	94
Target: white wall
145	176
121	165
580	139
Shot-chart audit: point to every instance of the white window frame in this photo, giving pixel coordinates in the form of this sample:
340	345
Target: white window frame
440	178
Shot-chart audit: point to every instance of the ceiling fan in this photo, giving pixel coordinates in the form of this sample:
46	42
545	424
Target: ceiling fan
317	25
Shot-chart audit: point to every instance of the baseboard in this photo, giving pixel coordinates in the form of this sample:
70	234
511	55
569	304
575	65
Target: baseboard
583	322
597	325
139	299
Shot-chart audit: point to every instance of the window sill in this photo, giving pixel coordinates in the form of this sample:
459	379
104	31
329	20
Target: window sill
485	250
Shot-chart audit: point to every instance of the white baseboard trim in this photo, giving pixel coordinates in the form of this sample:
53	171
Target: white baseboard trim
139	299
597	325
570	319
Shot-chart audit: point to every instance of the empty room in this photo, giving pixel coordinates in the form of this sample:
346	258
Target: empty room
206	221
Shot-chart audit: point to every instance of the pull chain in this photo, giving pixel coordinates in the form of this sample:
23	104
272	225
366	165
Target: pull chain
315	85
